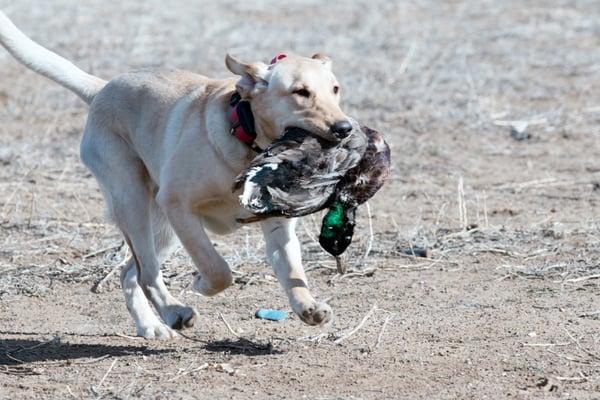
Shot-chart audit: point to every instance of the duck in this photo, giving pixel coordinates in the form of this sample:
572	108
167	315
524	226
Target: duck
300	174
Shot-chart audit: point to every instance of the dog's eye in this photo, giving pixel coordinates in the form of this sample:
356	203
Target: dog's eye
336	89
301	92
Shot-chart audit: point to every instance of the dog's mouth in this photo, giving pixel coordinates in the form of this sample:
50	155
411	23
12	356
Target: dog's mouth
327	138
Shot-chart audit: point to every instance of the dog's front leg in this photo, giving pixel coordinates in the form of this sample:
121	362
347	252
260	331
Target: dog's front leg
283	253
215	274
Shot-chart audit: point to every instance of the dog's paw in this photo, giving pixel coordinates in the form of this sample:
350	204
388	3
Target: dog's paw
211	287
315	314
180	317
156	331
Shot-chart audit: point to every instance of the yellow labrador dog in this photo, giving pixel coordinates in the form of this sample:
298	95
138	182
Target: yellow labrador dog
160	145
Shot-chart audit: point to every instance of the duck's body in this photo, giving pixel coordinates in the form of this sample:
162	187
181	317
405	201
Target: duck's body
297	174
300	174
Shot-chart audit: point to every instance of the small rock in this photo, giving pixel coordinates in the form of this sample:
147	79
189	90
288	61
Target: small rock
547	384
423	252
225	367
6	156
518	130
554	231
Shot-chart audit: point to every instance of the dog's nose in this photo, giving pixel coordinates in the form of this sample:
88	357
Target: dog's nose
341	129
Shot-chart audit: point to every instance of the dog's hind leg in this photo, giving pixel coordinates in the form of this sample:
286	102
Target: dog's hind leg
147	323
127	191
175	314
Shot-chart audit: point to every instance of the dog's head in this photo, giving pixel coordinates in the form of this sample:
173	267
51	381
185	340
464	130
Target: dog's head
293	92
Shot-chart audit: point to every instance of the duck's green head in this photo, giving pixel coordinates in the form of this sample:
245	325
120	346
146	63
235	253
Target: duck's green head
337	228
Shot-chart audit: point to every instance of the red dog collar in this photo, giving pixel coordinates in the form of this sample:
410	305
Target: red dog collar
242	121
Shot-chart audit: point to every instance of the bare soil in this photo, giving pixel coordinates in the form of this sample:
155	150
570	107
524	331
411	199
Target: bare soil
506	307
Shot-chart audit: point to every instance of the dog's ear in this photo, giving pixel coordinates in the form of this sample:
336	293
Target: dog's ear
253	77
323	58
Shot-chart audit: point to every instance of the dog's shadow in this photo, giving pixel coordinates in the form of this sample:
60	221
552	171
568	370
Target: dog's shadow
19	356
241	346
19	352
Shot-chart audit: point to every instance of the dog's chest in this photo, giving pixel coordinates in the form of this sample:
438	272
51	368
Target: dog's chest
220	215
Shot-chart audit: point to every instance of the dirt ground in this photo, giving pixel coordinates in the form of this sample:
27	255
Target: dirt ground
508	305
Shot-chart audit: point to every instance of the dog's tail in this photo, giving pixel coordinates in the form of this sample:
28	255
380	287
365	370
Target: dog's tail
47	63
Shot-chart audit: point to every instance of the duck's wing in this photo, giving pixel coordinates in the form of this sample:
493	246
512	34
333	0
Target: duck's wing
282	150
276	174
363	181
301	202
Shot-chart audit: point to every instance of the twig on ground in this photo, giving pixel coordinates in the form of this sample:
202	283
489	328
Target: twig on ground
14	358
535	121
589	314
517	187
55	339
370	240
545	344
96	388
308	232
485	211
31	206
104	250
83	207
193	339
318	266
189	371
127	336
409	55
385	323
580	347
357	328
315	338
93	360
250	281
98	287
577	360
71	393
578	379
15	191
462	206
582	278
365	272
228	326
